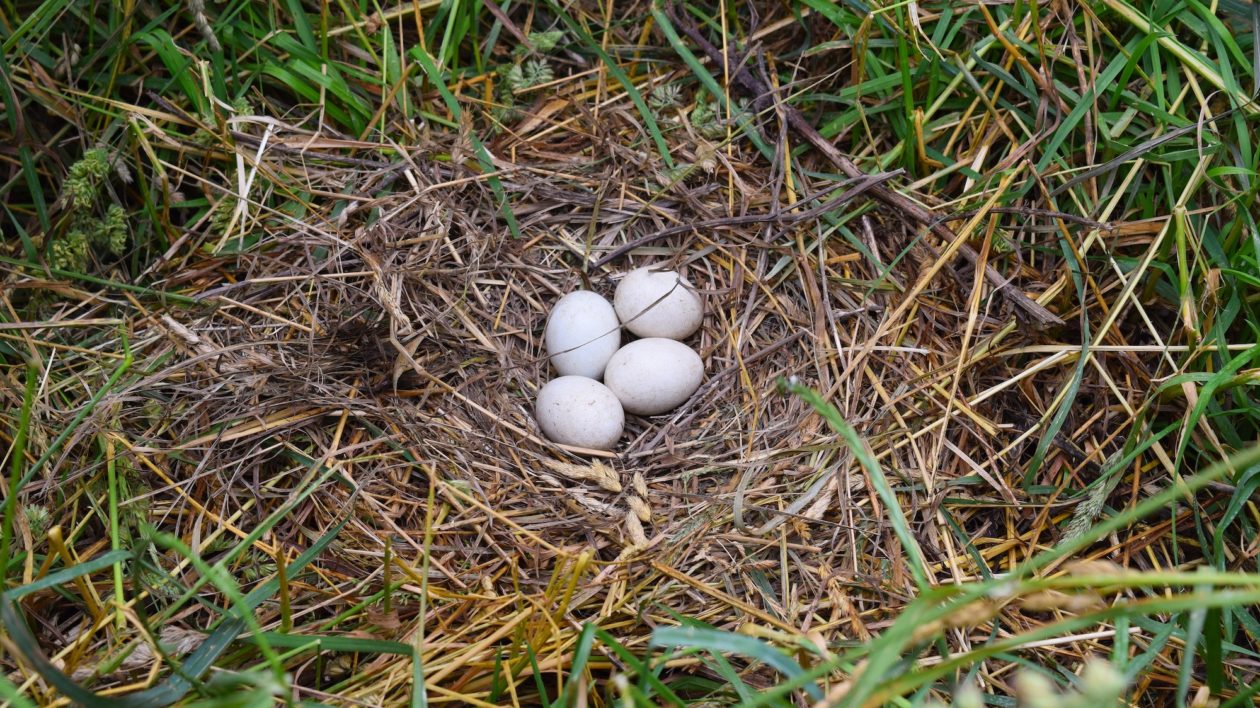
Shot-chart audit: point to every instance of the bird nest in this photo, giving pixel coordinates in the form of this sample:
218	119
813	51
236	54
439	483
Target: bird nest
373	362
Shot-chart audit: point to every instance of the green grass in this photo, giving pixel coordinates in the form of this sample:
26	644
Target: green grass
1141	118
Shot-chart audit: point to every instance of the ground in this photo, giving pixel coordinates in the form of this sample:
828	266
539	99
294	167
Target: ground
977	423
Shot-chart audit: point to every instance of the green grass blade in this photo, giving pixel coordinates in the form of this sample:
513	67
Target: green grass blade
104	282
706	79
319	642
720	642
17	460
649	121
83	413
483	155
861	452
9	692
173	688
581	655
641	669
225	584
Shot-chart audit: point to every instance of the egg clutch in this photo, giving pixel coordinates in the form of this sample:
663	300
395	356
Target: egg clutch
649	376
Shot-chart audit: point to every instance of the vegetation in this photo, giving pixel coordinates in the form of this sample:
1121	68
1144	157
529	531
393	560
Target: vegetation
979	425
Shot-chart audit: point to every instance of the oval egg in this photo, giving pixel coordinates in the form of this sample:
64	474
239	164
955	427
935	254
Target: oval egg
654	375
582	334
575	410
658	304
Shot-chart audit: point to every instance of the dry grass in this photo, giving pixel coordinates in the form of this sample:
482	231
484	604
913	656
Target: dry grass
363	344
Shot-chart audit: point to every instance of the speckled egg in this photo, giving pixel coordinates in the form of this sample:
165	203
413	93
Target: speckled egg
658	304
582	334
653	376
582	412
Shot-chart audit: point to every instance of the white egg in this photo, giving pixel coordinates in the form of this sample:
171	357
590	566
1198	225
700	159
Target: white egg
575	410
654	375
658	304
582	334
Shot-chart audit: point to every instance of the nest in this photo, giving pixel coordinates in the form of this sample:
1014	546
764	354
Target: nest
374	362
400	343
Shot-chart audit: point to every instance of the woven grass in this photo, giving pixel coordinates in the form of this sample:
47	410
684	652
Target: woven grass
359	341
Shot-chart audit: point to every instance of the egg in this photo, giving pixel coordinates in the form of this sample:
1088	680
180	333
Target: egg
582	334
654	375
658	304
575	410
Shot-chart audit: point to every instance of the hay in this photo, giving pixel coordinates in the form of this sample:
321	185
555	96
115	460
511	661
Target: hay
391	336
401	345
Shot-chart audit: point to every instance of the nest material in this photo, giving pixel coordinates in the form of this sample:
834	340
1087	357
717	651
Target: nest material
396	339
